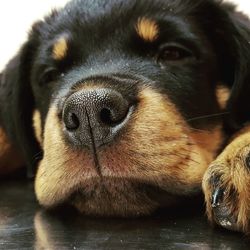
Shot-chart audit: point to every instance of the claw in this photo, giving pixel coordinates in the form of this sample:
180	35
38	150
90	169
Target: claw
221	212
217	197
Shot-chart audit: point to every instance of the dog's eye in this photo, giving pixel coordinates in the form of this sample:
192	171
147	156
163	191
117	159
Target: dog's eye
48	76
173	53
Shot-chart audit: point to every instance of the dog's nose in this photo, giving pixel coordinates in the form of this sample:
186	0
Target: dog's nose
95	116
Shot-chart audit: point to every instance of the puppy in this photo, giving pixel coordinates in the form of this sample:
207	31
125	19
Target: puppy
119	106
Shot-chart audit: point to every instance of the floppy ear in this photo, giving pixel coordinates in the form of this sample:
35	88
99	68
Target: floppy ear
17	104
231	35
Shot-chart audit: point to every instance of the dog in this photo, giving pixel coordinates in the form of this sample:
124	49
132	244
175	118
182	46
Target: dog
121	107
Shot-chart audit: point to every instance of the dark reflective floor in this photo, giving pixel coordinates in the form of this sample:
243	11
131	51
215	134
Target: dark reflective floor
23	225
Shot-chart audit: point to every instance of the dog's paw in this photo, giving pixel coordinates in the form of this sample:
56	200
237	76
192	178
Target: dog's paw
226	186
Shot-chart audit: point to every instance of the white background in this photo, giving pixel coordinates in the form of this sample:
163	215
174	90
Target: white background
16	17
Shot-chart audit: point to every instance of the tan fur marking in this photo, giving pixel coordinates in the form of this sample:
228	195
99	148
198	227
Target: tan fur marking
10	159
37	125
222	94
60	49
209	141
147	29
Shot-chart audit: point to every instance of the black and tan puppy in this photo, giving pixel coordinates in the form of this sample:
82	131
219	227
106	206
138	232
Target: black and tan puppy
121	105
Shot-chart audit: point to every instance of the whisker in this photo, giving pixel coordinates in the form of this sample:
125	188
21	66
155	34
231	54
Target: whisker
199	130
208	116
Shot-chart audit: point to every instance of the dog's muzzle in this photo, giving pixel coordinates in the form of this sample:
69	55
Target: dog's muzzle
93	117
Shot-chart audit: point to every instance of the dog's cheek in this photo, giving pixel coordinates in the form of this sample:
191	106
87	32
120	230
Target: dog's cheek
61	169
209	141
7	154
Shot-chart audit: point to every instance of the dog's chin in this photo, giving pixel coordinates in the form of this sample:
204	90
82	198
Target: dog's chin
116	197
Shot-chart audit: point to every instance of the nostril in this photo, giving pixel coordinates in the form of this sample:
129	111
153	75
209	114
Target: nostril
106	117
71	121
112	117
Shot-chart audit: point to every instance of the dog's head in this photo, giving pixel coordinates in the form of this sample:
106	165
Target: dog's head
125	100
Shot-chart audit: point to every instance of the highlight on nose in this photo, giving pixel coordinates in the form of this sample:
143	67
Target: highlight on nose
95	116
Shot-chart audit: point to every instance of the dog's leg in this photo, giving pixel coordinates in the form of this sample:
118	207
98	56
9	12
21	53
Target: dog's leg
226	185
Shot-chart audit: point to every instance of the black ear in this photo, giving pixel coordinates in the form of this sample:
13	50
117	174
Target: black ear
231	37
17	103
239	101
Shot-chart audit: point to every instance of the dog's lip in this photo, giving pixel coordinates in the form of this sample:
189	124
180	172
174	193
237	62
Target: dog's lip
151	190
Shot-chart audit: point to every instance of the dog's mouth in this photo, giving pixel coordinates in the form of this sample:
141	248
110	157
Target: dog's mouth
119	197
118	189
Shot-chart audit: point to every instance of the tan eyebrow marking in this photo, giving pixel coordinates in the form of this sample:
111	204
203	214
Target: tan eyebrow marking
60	49
147	29
222	94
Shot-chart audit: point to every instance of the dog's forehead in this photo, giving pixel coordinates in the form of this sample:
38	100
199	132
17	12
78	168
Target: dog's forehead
95	20
98	34
100	13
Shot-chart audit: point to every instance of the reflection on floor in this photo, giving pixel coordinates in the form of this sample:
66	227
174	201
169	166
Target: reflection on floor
23	225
